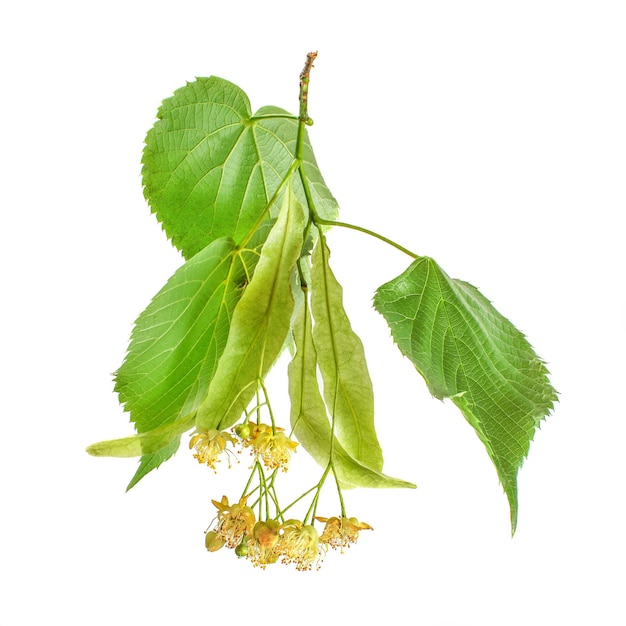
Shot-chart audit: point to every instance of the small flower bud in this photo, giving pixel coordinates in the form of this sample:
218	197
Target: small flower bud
242	549
213	541
242	431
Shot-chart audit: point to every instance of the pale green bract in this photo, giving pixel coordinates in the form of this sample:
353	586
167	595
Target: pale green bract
210	167
347	384
260	323
309	418
143	444
468	352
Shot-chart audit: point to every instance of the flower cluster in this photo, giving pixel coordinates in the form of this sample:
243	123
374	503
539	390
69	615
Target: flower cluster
266	542
270	445
256	526
290	543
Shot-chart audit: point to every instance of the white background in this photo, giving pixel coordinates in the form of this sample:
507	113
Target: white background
489	135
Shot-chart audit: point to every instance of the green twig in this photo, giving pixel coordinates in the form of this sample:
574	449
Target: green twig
304	88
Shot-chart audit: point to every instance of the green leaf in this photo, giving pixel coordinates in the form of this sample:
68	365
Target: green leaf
309	418
178	339
260	323
210	168
152	461
347	384
468	352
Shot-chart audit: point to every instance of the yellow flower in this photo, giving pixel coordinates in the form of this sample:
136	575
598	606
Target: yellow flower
273	447
233	522
341	532
263	547
299	544
208	446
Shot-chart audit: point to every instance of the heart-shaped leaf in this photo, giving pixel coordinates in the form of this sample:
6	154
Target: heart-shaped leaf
210	167
470	353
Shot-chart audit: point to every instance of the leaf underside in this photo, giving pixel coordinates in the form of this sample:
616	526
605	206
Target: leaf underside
178	339
210	167
470	353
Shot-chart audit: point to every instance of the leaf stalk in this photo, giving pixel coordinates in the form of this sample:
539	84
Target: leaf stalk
371	233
